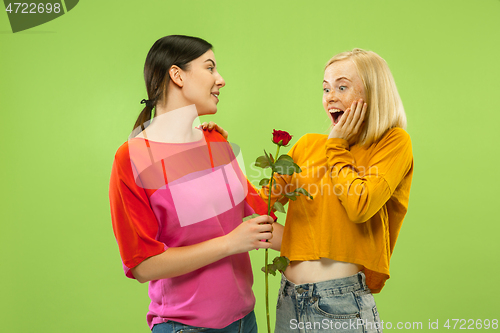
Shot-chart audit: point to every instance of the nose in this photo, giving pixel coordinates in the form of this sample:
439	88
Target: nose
331	96
220	82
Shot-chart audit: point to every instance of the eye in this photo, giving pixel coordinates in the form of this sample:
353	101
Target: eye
342	88
326	90
211	69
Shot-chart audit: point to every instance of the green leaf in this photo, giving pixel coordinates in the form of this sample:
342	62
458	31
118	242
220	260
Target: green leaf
297	168
269	159
281	263
246	218
262	162
279	207
284	162
271	268
284	167
292	196
286	158
304	192
264	182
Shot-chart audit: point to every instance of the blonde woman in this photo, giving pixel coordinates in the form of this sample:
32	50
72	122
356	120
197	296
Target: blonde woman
340	243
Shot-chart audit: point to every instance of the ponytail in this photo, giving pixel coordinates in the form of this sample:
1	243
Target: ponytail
145	116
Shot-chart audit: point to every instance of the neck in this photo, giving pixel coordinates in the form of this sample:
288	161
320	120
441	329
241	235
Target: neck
174	125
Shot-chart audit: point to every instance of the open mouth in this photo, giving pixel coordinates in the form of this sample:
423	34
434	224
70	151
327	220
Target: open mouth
336	114
217	97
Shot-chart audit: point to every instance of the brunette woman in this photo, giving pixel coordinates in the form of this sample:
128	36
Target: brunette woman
178	200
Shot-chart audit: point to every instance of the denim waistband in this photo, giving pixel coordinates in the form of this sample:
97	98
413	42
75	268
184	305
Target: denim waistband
340	286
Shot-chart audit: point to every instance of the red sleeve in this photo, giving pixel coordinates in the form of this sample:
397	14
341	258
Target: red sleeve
258	204
134	222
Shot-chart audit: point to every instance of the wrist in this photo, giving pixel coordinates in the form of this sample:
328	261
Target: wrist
333	136
225	244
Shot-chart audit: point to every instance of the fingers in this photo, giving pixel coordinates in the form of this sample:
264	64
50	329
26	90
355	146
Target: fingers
264	227
211	125
267	228
343	119
351	121
262	219
260	227
355	116
264	245
264	235
351	116
361	118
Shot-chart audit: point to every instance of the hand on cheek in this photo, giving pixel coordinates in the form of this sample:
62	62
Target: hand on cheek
349	125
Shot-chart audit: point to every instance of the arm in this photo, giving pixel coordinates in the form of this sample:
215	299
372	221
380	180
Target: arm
177	261
364	192
277	236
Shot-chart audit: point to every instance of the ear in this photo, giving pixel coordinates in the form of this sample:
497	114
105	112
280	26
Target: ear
175	73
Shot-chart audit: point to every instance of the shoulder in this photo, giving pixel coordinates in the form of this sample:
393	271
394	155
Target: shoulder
395	142
121	168
395	136
122	153
398	132
133	151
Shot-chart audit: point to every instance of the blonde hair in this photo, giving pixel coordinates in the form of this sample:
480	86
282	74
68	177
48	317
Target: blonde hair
385	109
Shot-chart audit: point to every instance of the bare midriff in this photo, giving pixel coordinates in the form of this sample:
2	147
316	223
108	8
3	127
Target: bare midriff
324	269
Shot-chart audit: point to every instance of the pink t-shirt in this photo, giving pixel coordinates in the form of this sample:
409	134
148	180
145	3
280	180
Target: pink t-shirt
171	195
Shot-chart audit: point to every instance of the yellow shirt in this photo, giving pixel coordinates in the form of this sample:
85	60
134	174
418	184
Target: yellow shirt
360	199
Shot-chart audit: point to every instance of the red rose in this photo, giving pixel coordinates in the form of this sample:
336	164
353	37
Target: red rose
281	138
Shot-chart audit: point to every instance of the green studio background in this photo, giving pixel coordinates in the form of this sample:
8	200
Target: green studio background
69	96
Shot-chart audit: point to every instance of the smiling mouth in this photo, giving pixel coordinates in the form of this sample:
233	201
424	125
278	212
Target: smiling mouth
217	97
336	114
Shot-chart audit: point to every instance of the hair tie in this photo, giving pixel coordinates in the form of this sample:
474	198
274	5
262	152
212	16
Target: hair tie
149	103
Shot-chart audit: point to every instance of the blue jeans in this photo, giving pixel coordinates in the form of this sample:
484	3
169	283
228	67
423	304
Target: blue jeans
247	324
339	305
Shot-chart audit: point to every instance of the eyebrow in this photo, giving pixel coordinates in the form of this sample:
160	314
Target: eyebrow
213	63
343	77
338	79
